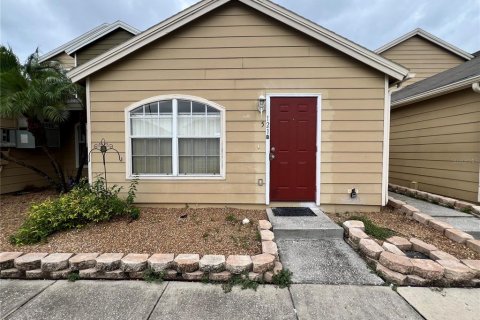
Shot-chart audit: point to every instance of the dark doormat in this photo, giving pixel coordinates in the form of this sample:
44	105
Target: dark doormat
293	212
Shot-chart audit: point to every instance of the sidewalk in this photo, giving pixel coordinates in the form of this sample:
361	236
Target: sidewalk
24	299
460	220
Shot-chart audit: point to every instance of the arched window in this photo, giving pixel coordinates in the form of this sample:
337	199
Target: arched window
175	136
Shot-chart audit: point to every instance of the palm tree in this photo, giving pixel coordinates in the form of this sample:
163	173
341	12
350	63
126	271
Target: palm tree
38	91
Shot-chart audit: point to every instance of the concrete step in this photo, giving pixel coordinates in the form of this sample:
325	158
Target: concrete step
319	227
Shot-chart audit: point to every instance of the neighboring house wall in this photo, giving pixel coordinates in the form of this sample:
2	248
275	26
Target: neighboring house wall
422	58
231	57
14	177
437	144
102	45
67	61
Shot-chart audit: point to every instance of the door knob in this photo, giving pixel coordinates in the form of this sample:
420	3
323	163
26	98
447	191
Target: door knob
272	156
272	149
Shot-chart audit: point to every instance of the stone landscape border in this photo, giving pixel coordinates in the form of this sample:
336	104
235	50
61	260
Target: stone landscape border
442	227
438	199
119	266
389	260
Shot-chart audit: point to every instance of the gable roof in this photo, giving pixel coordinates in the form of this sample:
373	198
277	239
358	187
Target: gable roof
87	38
456	78
271	9
429	37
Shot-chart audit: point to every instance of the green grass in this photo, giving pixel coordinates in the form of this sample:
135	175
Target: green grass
373	230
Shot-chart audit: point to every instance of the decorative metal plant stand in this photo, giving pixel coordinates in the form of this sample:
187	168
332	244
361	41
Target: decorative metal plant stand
103	147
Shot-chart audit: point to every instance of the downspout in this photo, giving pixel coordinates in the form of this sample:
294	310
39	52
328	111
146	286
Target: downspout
476	88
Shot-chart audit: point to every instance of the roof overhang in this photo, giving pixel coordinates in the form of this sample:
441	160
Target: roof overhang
273	10
99	34
63	47
430	37
456	86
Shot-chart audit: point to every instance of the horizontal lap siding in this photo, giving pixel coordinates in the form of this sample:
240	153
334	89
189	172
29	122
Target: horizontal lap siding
422	58
437	144
102	45
14	177
232	57
65	60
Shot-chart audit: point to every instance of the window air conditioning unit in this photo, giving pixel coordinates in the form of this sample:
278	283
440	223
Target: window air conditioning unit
9	138
25	139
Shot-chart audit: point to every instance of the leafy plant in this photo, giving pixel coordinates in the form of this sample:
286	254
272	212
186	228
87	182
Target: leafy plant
38	91
231	218
150	275
239	280
467	210
85	203
374	230
283	278
73	276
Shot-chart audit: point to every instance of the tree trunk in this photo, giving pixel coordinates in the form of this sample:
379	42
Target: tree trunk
83	160
58	170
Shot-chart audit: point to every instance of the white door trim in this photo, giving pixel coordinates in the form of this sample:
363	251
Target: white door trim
318	141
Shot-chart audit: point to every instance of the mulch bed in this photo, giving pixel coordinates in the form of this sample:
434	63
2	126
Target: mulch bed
158	230
407	228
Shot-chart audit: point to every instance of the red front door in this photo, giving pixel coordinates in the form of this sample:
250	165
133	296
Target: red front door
293	127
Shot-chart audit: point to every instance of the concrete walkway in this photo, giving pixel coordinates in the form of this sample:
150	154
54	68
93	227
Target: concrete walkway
84	299
444	304
314	250
460	220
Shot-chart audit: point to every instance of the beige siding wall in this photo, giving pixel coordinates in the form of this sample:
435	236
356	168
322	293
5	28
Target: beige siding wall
14	177
102	45
231	57
67	61
422	57
437	144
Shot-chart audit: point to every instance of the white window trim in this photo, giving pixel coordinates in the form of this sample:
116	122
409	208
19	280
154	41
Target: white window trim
77	151
318	142
128	148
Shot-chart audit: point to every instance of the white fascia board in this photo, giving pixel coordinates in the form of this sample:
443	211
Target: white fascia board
157	31
295	21
459	85
429	37
100	33
330	38
62	48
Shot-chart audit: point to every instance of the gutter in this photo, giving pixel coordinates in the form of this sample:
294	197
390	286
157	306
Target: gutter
462	84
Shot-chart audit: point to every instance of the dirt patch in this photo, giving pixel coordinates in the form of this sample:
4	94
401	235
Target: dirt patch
202	231
407	228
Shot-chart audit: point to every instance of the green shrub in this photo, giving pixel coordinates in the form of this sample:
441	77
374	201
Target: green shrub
373	230
283	279
85	203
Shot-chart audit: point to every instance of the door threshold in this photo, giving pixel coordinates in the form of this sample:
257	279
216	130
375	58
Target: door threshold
292	204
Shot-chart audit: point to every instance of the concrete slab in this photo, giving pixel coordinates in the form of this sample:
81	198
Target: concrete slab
93	300
429	208
191	301
443	304
469	225
14	293
349	302
460	220
325	262
319	227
